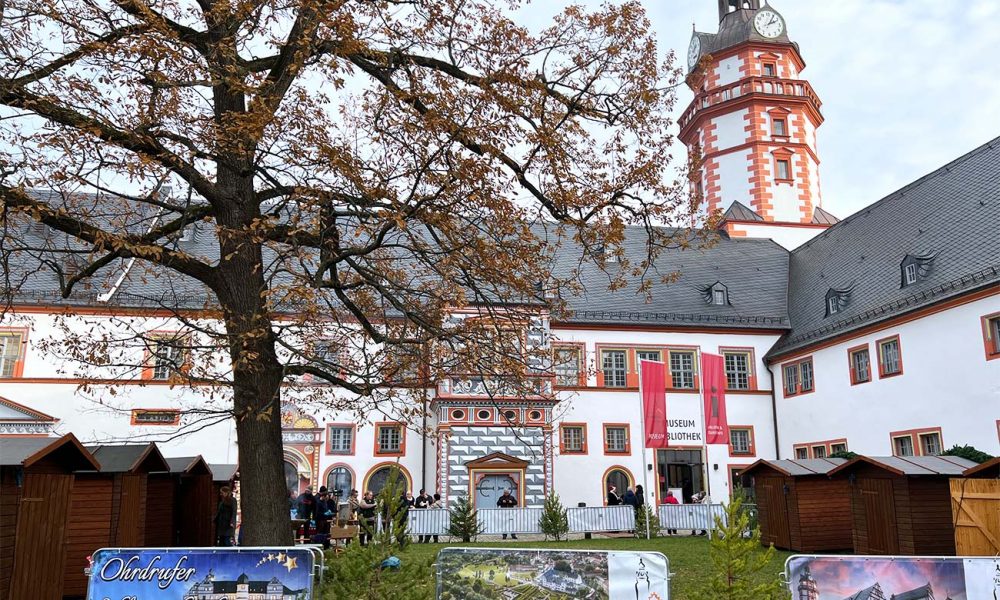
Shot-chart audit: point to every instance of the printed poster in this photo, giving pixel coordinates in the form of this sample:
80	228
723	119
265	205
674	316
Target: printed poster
882	578
550	574
654	403
216	573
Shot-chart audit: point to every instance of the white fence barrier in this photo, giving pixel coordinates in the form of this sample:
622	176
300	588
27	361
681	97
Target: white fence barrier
597	519
690	516
431	521
495	521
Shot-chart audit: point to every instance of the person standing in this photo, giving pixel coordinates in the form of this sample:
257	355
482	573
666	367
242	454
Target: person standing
402	517
507	501
613	498
366	508
701	498
640	497
421	502
671	499
306	505
436	504
629	498
324	511
225	517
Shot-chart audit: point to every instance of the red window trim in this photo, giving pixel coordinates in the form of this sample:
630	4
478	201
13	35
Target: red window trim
774	68
695	363
354	439
628	438
562	447
786	155
480	421
850	363
632	369
604	481
914	435
798	381
326	473
899	346
402	438
732	467
148	366
753	365
827	444
176	421
991	346
18	371
753	442
581	348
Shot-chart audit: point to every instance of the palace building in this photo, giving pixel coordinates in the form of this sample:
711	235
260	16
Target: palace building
878	333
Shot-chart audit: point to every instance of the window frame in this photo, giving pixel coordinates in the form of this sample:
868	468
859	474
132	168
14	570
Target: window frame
895	449
851	352
799	449
717	295
882	373
377	446
991	335
581	372
751	441
908	269
784	127
352	427
134	420
832	305
787	160
583	439
17	369
751	367
604	379
819	447
695	379
827	446
915	435
923	447
329	470
797	365
627	427
764	66
150	359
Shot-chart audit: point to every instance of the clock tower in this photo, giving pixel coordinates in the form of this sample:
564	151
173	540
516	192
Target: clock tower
754	120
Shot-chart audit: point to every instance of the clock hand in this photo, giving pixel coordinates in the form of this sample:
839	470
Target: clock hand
773	20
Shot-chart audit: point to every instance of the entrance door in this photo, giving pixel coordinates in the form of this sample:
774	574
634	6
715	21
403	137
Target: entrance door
880	516
491	487
773	512
680	469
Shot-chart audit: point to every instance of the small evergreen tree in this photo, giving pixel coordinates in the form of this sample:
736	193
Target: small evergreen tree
554	521
847	454
464	520
968	452
647	513
740	565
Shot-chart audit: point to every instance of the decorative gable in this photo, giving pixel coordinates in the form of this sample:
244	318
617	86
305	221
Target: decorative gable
17	419
498	460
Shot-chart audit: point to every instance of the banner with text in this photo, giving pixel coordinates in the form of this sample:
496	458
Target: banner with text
220	573
654	402
838	577
552	574
713	372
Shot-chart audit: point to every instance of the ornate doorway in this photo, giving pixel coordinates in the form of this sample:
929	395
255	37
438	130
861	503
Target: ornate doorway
490	487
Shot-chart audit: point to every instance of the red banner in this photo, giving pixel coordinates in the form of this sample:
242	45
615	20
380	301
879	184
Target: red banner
713	381
654	402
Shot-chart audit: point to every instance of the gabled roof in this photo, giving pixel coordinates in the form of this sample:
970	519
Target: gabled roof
738	211
990	469
497	459
869	593
950	466
951	213
13	411
221	472
797	468
821	217
66	451
129	458
921	593
188	465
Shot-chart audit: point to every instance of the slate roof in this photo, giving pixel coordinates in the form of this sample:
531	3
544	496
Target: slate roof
799	467
737	27
13	451
951	213
738	211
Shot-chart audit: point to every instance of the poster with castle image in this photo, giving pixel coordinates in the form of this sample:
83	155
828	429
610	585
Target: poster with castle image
530	574
201	574
894	578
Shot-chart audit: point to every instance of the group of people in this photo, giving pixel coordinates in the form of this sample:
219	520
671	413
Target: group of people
366	510
636	498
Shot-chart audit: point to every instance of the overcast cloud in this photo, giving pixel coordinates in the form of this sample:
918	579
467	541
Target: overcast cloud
906	85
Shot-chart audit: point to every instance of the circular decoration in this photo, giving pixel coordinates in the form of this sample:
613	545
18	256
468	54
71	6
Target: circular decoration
768	23
694	51
535	415
458	414
510	415
309	449
483	415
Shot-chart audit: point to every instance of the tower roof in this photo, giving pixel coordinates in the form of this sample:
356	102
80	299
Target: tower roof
738	211
736	28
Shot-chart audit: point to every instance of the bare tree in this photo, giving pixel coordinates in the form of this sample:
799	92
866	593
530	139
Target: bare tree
388	178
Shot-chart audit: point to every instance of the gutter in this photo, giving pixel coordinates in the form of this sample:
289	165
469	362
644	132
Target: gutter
774	412
423	446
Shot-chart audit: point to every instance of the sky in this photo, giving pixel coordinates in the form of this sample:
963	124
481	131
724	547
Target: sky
906	85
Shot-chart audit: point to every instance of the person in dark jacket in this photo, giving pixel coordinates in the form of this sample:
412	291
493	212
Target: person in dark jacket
306	505
225	517
366	508
420	502
630	498
613	498
325	510
403	517
640	497
507	500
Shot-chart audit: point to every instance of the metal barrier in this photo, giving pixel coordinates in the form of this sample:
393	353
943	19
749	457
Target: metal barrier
495	521
596	519
429	521
696	517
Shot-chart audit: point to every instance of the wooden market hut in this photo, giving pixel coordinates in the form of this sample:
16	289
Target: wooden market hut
800	508
223	475
36	487
975	509
108	507
194	501
902	505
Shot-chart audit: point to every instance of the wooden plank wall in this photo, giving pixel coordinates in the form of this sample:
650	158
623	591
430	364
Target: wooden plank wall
930	511
823	515
160	527
975	509
772	513
873	510
10	495
89	527
130	527
195	510
39	547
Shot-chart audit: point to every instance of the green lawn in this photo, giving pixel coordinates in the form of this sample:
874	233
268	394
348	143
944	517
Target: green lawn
688	556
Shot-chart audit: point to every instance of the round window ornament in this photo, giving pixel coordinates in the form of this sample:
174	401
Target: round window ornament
510	415
458	415
483	415
535	415
309	449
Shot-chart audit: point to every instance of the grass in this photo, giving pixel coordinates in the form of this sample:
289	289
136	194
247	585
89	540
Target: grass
688	556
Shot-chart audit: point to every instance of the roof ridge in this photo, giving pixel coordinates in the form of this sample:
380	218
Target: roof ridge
902	191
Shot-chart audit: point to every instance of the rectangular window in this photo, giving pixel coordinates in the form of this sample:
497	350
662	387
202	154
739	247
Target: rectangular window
614	364
653	355
890	361
791	380
737	370
340	439
798	377
861	371
930	444
167	359
801	453
10	353
784	170
567	366
740	441
819	451
155	417
910	273
806	375
778	127
835	448
832	305
768	69
389	439
616	439
573	439
902	446
991	336
682	370
719	297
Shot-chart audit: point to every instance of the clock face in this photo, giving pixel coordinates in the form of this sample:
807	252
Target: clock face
694	51
768	24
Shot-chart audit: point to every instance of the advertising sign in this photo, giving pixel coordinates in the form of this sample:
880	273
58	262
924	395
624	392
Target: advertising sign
217	573
654	402
551	574
714	380
884	577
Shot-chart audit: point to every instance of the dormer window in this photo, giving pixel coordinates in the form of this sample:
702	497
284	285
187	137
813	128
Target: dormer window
719	297
838	299
187	234
914	268
717	294
832	305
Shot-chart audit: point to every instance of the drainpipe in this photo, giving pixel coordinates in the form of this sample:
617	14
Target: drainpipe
774	412
423	446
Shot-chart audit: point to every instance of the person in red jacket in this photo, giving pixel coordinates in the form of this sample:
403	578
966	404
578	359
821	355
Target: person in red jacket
670	499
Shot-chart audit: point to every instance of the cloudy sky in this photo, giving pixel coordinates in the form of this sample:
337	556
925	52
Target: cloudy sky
906	85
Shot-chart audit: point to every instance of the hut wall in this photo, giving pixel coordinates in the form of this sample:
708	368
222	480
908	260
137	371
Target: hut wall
873	511
772	509
39	549
89	527
194	510
930	510
160	498
130	524
975	507
10	495
822	521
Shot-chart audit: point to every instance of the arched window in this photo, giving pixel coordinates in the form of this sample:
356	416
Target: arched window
339	481
620	478
291	477
379	478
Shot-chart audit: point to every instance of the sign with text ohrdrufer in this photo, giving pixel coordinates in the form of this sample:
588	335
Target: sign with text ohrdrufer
218	573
